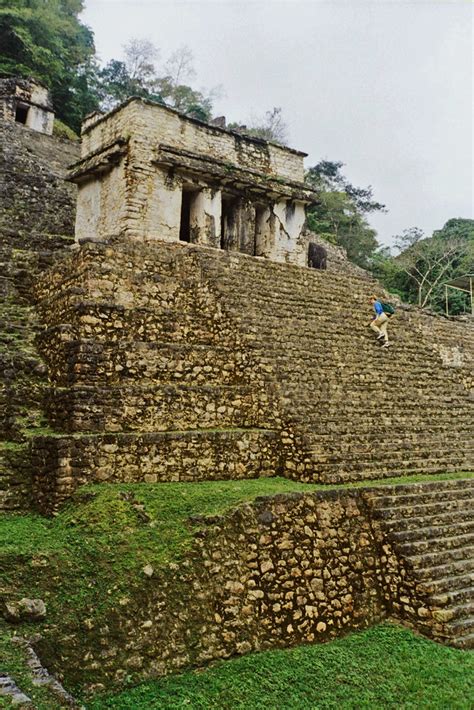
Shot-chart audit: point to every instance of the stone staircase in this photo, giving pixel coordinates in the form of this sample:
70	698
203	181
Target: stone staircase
147	339
360	412
427	530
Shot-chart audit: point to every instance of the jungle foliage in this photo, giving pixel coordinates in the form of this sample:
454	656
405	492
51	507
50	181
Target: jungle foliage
423	264
46	40
340	216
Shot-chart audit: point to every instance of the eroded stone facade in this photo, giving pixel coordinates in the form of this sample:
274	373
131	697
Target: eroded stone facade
281	570
148	172
252	363
26	102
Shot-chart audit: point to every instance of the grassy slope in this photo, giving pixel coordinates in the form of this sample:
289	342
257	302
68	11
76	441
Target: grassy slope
92	553
384	667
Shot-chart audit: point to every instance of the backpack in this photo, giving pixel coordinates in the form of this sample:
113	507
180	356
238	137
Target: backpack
388	308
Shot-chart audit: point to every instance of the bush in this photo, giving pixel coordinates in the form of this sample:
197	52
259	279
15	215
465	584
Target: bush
60	130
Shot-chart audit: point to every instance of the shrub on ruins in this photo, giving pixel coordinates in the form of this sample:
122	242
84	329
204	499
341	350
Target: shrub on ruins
340	215
271	127
139	75
44	39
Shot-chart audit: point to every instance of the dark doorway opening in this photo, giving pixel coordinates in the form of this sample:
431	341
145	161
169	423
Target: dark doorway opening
21	114
185	220
227	221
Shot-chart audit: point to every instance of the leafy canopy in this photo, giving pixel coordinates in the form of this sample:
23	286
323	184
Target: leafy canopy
340	214
417	273
44	39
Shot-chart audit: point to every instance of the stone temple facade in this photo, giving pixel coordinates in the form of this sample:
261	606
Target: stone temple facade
27	102
148	172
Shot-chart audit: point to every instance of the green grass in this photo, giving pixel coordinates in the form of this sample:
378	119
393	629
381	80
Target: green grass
108	533
91	555
13	662
381	668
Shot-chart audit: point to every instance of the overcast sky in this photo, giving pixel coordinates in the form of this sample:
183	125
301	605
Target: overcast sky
386	86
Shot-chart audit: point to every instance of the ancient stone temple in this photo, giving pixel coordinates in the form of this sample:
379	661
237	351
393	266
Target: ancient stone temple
27	102
148	172
181	351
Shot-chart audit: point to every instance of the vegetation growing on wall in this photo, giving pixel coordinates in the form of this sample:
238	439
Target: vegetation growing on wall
383	667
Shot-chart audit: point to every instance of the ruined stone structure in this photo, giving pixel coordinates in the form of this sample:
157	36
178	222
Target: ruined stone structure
165	354
189	359
27	102
37	208
288	569
148	172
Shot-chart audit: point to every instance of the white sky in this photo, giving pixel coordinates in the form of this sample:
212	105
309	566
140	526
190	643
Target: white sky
386	86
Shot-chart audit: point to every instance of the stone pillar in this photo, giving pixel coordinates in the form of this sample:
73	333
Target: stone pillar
205	217
247	216
289	221
238	223
154	207
264	232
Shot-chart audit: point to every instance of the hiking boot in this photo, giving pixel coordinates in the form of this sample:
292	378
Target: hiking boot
386	344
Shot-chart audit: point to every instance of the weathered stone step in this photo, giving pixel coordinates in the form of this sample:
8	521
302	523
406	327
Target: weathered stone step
347	469
466	640
455	596
460	629
449	489
454	526
457	566
398	524
464	502
400	448
414	547
439	558
435	585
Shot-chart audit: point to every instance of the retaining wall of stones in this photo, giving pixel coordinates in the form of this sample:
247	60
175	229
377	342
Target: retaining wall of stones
282	570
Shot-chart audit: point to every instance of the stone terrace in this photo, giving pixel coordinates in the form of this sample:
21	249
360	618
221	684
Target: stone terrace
172	362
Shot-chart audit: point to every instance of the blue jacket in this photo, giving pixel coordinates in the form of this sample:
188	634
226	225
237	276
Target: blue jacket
378	308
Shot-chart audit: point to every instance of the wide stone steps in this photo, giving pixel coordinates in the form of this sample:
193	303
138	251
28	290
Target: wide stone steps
346	469
441	558
436	531
456	596
431	529
415	547
438	573
462	502
460	633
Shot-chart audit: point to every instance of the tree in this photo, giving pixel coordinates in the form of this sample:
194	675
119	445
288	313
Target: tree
429	262
138	75
339	215
271	127
44	39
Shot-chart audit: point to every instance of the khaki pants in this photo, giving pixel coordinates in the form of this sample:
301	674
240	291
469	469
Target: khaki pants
379	326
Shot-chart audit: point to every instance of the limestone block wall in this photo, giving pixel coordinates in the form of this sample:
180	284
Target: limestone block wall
284	570
275	572
151	173
152	124
453	338
150	380
37	208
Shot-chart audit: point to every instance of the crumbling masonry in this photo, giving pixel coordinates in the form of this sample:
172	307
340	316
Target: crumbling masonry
186	340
